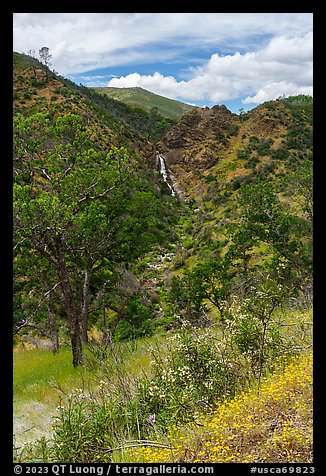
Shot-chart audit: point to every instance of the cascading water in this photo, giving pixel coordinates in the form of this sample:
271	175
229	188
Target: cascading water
164	173
163	168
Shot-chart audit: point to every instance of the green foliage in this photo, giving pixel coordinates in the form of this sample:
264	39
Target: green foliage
301	106
241	180
78	207
143	123
280	154
262	146
89	425
80	431
208	282
194	375
299	137
253	327
221	138
210	178
137	320
244	154
285	236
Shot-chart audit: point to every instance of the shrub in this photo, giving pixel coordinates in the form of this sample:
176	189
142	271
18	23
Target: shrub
241	180
194	375
272	426
233	130
88	427
187	242
210	178
79	428
251	337
244	154
252	162
137	320
280	154
221	137
126	330
267	168
253	327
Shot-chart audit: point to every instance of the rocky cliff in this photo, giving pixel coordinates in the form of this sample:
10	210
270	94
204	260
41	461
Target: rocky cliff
216	142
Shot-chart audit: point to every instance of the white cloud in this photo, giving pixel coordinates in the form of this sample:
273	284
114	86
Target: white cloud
100	39
284	66
165	85
269	54
275	90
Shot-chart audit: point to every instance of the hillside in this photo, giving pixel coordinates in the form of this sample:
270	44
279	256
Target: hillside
215	143
246	172
147	100
171	313
32	92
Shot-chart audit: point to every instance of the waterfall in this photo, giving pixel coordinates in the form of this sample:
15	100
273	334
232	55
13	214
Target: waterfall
164	173
163	168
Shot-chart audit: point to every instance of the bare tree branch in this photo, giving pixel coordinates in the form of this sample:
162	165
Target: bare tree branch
27	322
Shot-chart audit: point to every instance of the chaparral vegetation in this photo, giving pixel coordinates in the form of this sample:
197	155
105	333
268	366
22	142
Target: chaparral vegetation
162	277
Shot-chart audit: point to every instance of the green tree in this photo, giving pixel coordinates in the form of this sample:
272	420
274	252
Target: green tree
78	208
255	330
36	303
285	236
209	281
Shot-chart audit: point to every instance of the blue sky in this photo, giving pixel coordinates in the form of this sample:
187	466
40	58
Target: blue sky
236	59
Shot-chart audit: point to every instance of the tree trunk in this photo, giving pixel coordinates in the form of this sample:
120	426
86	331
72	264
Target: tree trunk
85	306
76	344
54	329
71	310
58	259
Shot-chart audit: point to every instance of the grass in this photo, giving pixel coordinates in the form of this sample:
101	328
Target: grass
38	373
41	380
37	370
37	376
147	100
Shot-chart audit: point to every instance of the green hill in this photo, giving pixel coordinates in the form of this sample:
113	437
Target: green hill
148	100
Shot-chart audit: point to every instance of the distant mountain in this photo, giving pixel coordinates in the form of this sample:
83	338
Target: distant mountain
147	100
